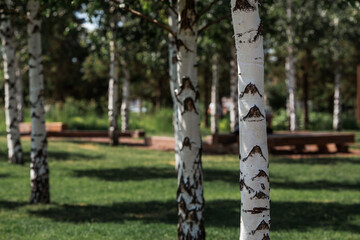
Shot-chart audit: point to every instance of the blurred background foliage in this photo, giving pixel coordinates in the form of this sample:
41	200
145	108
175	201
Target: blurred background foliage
76	60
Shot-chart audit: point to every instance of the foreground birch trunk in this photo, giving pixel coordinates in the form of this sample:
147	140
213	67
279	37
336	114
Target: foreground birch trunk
214	95
290	70
173	22
254	159
9	58
337	101
125	97
234	111
113	82
39	170
190	190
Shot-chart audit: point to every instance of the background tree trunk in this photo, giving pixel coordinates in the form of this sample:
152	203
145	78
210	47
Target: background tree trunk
9	59
173	22
39	170
290	70
190	197
254	159
125	97
19	90
214	94
234	111
337	100
113	81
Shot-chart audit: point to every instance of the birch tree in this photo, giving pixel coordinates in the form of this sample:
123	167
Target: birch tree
190	197
9	58
337	79
125	97
113	81
39	169
254	158
214	94
234	112
173	23
290	69
19	89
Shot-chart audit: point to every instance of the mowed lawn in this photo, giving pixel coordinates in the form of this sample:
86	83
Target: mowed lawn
102	192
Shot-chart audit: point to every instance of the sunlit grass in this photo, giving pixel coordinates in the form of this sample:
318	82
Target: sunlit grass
99	192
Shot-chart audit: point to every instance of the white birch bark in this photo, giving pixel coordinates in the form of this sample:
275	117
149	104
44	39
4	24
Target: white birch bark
9	54
234	111
254	158
19	90
39	170
125	97
337	101
290	70
173	22
214	95
190	197
113	82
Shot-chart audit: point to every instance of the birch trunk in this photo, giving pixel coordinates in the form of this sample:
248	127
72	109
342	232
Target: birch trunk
254	159
9	55
337	101
19	90
125	97
173	22
113	82
190	197
39	170
290	70
234	111
214	95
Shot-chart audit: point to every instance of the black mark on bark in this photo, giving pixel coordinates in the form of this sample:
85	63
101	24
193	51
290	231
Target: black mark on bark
256	149
250	88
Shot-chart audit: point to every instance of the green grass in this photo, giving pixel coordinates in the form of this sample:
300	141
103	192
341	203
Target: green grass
99	192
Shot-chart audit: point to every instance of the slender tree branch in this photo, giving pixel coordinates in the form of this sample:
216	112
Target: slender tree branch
206	9
213	22
149	19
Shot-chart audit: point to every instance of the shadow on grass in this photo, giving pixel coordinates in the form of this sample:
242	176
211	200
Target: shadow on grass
316	161
220	213
66	156
11	205
4	175
145	173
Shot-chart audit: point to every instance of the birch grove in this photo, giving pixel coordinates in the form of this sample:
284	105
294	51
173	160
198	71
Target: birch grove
173	23
39	169
113	81
190	197
11	116
254	158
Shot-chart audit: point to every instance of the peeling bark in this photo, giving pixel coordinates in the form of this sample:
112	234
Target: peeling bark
214	94
254	173
39	169
9	58
113	81
190	197
173	22
234	111
290	71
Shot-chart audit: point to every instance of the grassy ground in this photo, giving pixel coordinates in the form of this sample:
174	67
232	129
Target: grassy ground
98	192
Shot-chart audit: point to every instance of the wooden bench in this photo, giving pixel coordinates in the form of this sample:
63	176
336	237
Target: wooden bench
25	128
298	140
